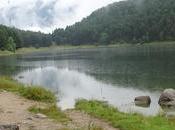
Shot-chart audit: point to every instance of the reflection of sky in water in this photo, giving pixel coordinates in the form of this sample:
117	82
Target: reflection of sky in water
72	85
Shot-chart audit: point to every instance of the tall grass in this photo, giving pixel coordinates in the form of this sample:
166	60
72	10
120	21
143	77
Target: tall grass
30	92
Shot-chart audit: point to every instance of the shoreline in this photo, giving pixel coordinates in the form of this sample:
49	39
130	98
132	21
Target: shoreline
67	47
104	115
34	108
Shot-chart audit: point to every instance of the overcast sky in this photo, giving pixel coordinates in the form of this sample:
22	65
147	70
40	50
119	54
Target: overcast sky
46	15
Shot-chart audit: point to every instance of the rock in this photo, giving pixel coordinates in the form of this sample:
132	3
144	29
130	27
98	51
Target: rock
21	77
29	118
9	127
40	116
167	98
143	101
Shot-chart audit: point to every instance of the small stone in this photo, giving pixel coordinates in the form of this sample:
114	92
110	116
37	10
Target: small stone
9	112
29	118
40	116
4	91
9	127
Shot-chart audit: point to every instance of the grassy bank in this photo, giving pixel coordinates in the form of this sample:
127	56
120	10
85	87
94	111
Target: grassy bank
122	120
24	51
62	47
35	93
30	92
97	109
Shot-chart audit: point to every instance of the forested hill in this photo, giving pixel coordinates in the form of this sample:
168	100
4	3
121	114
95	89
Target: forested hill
131	21
12	38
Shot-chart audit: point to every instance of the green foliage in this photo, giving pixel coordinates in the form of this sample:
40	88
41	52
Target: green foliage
52	112
10	46
12	38
122	120
37	94
29	92
131	21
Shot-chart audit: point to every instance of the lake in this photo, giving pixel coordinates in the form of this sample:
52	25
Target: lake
116	75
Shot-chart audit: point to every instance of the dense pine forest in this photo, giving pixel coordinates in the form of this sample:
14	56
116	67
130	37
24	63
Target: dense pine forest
131	21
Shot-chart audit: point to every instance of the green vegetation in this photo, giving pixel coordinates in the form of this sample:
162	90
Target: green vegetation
52	112
37	94
122	120
12	39
91	127
30	92
131	21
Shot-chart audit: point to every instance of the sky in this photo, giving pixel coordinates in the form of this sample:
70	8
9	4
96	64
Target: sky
46	15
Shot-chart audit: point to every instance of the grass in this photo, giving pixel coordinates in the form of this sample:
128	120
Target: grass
92	128
36	94
96	108
23	51
52	112
30	92
122	120
63	47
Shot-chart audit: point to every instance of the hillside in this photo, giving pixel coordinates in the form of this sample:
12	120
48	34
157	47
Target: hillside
131	21
13	38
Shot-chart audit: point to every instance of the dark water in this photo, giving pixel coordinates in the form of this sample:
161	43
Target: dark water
116	75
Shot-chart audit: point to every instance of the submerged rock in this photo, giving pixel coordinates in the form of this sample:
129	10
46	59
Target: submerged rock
20	77
167	98
143	101
9	127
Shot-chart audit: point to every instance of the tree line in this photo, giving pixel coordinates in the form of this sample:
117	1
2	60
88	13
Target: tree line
131	21
12	39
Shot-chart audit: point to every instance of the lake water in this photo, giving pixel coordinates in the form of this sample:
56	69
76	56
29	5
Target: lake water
116	75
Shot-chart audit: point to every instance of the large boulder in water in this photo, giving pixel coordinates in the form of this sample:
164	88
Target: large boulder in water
143	101
9	127
167	98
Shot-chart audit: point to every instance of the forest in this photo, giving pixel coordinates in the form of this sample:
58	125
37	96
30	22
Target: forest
131	21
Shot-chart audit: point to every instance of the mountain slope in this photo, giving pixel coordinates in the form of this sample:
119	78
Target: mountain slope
131	21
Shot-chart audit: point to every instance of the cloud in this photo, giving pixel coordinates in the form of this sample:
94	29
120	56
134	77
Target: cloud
46	15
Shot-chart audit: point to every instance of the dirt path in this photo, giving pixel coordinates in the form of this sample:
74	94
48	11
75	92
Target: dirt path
82	120
14	110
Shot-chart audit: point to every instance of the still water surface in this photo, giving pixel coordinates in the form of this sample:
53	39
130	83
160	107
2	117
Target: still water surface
116	75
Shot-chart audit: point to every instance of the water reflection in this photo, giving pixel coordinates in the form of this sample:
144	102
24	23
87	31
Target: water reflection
169	112
117	75
71	85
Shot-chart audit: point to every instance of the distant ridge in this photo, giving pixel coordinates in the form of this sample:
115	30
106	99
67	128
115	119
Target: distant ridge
131	21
